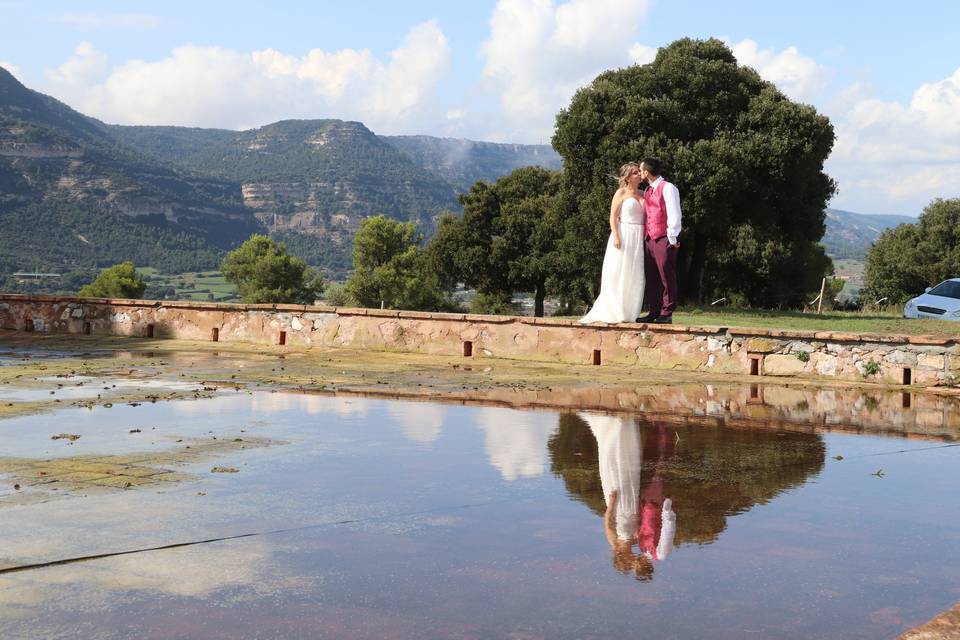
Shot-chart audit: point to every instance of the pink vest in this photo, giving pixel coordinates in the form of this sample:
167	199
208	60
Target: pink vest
656	211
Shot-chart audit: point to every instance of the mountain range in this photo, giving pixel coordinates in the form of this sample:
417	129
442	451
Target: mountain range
177	198
79	193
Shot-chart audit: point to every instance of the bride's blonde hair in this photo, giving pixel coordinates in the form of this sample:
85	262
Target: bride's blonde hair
625	172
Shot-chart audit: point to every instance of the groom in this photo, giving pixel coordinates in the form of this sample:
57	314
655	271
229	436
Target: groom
662	202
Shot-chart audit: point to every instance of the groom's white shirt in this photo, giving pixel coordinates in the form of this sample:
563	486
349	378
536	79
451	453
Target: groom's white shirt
671	196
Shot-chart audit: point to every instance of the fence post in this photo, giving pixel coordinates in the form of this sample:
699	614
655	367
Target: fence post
823	285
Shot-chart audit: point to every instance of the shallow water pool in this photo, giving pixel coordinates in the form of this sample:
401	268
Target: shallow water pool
366	518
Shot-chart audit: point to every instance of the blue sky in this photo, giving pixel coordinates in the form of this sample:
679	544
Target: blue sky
886	73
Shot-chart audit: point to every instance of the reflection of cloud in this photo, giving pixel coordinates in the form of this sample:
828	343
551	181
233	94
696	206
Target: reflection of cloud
195	572
307	403
420	422
267	403
516	441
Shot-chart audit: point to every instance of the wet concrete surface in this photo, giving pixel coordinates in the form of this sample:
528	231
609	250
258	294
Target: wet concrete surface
376	517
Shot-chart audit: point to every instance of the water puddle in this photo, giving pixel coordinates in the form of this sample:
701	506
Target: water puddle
370	518
75	387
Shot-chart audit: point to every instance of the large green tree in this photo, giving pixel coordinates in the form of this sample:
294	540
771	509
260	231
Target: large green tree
389	269
747	160
264	272
119	281
506	239
906	259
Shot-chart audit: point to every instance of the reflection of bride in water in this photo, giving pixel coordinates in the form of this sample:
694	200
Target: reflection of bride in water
637	511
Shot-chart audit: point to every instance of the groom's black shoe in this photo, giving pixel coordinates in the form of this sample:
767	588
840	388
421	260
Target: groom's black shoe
664	320
648	318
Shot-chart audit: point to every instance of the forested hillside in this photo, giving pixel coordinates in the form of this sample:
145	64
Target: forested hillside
320	176
71	195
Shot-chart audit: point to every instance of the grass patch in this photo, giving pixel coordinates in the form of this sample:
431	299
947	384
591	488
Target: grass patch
888	322
195	285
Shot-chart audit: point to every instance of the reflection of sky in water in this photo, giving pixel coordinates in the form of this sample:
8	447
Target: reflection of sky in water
424	518
420	422
516	441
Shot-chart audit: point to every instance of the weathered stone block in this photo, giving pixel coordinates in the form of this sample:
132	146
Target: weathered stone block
717	343
648	357
953	362
825	364
797	345
782	365
901	357
931	361
763	345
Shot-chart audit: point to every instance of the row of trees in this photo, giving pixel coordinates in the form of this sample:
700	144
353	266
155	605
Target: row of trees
908	258
747	160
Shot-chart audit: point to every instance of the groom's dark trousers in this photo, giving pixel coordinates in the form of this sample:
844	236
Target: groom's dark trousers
660	265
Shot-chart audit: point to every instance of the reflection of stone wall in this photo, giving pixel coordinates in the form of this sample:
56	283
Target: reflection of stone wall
925	360
766	407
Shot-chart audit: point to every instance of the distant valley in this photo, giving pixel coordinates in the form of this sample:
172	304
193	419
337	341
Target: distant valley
849	235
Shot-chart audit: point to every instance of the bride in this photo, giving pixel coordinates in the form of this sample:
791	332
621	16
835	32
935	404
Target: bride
622	280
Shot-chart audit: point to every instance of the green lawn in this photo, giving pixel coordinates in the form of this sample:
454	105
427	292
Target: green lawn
888	322
199	285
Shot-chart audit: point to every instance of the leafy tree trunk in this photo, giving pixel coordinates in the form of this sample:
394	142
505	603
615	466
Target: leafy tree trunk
538	297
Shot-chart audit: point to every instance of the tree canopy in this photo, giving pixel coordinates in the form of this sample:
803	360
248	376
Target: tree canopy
389	268
747	160
119	281
264	272
506	239
908	258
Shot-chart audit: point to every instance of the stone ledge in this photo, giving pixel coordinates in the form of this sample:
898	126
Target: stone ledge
929	340
383	313
474	317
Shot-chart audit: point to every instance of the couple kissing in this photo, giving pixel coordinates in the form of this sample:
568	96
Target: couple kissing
644	230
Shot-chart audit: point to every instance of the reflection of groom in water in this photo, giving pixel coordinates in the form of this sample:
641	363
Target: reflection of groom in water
630	474
658	522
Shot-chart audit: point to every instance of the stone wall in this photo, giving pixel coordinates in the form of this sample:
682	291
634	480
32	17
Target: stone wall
917	360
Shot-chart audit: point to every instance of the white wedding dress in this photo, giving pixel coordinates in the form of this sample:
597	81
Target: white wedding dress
620	455
622	280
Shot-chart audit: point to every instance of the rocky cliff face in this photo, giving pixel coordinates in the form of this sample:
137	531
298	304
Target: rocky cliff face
313	176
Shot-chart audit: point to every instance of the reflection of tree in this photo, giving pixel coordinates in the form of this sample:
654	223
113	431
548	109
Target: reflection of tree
574	457
710	475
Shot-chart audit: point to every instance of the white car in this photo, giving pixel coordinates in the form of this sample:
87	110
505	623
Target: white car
941	302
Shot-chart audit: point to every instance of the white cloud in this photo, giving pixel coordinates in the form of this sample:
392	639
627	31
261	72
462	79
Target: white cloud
798	76
91	20
217	87
896	157
12	68
85	67
642	54
538	54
